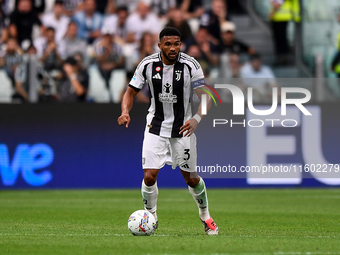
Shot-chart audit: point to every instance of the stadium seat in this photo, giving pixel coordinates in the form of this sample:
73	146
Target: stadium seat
97	88
117	84
194	25
49	5
6	90
262	7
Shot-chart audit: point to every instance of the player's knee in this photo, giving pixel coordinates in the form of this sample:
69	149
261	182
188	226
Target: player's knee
149	178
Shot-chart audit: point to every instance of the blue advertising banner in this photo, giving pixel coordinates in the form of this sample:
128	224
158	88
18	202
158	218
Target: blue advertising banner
82	146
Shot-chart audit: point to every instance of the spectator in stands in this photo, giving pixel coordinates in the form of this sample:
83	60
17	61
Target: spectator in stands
101	6
143	49
162	7
195	52
121	29
177	21
5	7
79	57
106	6
76	82
231	75
235	7
228	42
118	23
109	55
22	21
3	27
31	50
57	20
283	11
72	6
146	47
141	21
89	22
260	77
213	18
336	64
336	60
37	6
48	53
10	60
233	70
208	51
203	50
191	8
71	43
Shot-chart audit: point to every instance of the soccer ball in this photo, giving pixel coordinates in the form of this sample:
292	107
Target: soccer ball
142	223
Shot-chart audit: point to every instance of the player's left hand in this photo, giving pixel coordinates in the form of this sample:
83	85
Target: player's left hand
189	127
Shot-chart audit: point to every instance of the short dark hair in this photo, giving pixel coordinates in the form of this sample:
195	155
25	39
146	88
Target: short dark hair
72	22
50	29
71	61
79	54
254	56
11	38
122	8
169	31
59	2
31	46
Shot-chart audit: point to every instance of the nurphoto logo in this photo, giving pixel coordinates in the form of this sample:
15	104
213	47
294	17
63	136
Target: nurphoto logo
238	100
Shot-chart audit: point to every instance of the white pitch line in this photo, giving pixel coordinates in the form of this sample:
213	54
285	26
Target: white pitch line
319	197
80	234
72	200
258	253
162	235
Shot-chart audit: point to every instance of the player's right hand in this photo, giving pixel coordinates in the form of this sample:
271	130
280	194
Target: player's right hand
189	127
124	119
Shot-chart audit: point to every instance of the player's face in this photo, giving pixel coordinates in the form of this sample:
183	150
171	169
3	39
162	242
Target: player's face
170	46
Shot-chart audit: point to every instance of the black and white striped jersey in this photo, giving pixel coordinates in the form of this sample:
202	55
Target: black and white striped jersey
170	89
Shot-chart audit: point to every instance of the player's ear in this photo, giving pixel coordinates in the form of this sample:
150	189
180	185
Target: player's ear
159	45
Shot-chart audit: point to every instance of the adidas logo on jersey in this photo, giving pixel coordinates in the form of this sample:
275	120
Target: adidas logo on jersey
185	166
157	76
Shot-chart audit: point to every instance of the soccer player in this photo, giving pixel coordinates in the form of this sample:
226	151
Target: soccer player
169	134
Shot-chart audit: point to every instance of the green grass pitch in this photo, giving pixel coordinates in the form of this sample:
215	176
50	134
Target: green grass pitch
251	221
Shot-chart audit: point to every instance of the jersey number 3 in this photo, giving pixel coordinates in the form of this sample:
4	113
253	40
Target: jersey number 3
187	152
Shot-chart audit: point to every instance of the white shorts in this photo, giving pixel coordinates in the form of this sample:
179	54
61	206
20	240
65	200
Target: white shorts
158	151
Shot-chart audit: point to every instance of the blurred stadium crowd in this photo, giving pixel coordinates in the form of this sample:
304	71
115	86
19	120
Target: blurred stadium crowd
75	45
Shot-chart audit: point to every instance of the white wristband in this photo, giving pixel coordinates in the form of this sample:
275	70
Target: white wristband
73	76
197	118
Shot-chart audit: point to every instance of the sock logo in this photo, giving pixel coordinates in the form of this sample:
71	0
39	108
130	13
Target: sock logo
145	201
199	200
